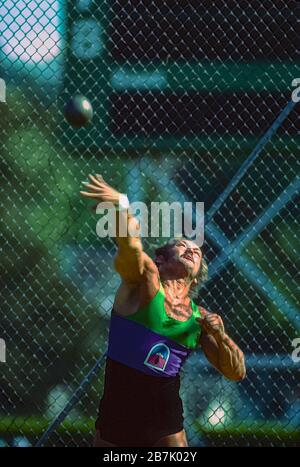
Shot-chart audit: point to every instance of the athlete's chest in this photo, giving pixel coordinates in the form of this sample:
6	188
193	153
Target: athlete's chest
179	311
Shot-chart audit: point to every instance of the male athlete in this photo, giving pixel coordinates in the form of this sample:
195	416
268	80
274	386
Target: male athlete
154	327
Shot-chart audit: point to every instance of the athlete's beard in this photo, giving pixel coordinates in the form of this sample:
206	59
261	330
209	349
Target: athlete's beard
175	263
182	264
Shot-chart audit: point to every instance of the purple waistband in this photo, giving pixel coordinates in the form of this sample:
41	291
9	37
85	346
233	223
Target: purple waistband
138	347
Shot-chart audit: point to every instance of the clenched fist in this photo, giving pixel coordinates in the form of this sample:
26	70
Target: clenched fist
212	324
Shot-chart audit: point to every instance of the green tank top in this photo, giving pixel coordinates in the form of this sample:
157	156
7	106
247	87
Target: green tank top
154	317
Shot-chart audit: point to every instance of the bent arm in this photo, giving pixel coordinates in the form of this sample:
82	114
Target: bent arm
219	349
225	356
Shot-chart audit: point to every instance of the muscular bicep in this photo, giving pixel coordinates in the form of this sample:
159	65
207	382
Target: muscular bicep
134	265
210	349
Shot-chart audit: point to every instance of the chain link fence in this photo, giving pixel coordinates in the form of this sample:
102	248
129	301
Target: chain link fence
182	94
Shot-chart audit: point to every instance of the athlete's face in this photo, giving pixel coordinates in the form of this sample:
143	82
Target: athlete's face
186	254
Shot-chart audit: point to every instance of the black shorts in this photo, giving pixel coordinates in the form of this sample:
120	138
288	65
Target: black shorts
137	409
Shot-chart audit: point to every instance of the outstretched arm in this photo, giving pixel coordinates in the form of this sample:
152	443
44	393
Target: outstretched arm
219	349
131	262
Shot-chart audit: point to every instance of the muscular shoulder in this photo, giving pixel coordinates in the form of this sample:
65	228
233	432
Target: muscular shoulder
149	276
131	296
135	266
149	266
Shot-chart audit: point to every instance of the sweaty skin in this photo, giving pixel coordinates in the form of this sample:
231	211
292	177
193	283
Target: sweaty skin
141	278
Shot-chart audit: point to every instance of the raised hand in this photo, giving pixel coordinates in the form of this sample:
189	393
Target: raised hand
99	190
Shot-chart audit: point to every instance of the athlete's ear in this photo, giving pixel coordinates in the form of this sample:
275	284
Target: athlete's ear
195	281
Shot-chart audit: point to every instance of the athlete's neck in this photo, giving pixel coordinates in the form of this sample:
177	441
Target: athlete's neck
177	289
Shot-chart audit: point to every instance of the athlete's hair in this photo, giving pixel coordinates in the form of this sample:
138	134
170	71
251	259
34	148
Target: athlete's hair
202	275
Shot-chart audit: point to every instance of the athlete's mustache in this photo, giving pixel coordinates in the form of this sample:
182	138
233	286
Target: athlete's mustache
188	256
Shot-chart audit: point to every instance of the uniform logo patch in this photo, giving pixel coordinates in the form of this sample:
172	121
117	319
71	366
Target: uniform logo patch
158	357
